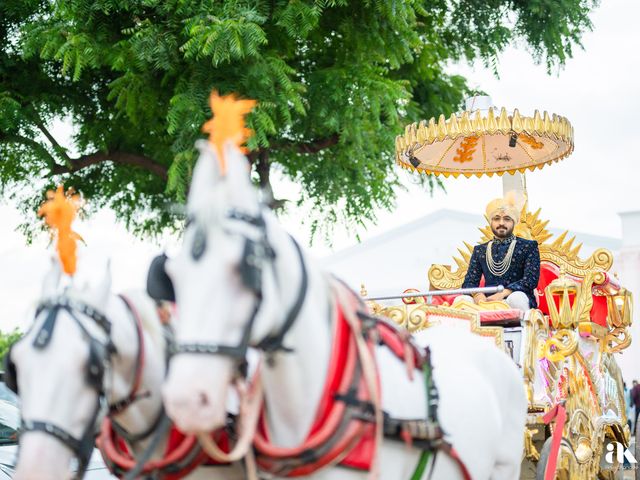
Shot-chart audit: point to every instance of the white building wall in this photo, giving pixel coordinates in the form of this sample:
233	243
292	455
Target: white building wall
401	258
627	263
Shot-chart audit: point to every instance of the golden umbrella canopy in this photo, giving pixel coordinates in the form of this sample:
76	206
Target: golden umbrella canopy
484	141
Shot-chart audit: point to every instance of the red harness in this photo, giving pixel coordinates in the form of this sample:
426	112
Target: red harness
338	434
182	454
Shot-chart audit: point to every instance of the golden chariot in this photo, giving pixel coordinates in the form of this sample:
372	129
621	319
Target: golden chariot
564	348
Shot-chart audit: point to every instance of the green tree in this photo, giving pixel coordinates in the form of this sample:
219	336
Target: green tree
6	340
335	80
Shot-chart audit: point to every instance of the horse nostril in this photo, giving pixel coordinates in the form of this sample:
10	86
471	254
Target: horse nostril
204	400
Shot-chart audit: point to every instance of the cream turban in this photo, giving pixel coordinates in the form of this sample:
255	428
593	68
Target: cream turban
511	204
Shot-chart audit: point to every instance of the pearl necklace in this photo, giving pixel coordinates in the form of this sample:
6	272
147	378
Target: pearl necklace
499	268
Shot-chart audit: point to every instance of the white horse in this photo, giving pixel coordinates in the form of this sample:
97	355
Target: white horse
238	281
84	345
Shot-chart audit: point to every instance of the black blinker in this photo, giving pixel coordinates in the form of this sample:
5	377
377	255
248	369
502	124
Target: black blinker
199	244
159	285
251	265
95	365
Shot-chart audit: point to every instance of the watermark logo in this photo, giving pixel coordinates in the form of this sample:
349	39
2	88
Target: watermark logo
616	453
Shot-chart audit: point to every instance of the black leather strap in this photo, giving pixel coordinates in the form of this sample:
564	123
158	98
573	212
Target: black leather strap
237	352
163	427
82	448
60	434
46	330
257	221
274	343
132	438
71	304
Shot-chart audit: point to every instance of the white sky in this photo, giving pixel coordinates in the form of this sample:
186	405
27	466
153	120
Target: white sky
597	91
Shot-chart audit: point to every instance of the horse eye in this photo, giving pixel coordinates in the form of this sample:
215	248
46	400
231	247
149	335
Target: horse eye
199	244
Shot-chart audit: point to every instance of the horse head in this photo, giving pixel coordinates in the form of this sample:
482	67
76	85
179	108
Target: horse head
79	352
222	277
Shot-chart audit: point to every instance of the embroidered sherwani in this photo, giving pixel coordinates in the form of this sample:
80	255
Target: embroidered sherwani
522	275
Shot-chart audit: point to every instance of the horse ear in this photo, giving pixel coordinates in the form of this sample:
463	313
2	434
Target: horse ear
205	173
51	279
103	290
242	192
238	167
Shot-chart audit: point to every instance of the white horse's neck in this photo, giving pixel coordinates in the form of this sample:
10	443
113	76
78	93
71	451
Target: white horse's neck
141	414
294	384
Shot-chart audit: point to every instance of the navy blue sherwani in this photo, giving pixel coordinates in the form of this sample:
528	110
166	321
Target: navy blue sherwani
523	274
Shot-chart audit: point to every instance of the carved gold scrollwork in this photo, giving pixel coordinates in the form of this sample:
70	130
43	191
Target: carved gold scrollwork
592	329
536	332
617	340
582	409
584	301
580	428
397	314
610	366
530	450
601	259
418	317
442	278
562	344
409	317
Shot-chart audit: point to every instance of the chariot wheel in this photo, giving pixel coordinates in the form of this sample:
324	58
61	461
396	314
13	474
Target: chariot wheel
566	460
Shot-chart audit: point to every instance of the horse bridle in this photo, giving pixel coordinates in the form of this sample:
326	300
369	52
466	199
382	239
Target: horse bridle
99	357
256	253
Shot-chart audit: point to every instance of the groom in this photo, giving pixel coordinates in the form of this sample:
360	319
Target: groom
506	260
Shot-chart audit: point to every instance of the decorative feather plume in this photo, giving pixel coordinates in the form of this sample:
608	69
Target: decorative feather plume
227	123
59	211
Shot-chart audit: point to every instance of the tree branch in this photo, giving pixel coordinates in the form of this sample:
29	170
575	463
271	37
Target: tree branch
320	144
75	164
123	158
56	146
263	167
310	147
29	143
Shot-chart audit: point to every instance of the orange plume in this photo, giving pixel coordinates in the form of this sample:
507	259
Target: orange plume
227	123
59	211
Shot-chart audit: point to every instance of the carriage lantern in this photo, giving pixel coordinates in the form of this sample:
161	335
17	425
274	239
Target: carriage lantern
564	289
621	306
